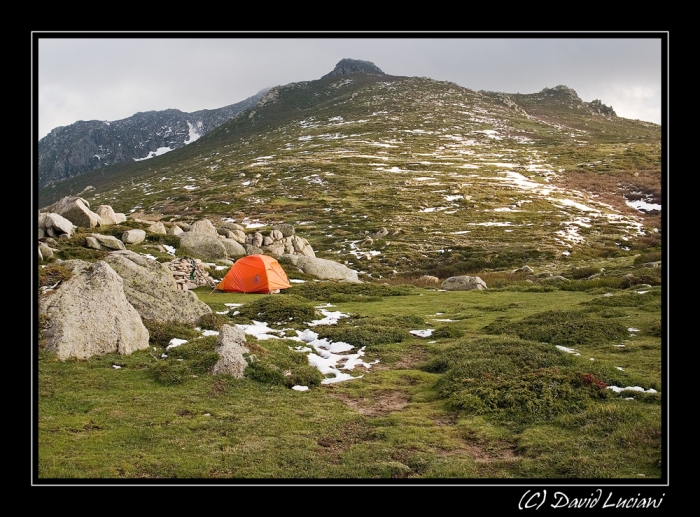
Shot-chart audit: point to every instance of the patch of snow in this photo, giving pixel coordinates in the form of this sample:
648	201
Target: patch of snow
153	154
617	389
567	350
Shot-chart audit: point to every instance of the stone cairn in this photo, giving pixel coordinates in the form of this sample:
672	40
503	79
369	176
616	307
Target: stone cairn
190	273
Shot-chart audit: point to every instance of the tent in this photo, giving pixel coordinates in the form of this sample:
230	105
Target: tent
254	274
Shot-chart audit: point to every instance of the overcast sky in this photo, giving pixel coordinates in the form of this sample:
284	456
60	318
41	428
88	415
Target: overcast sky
103	76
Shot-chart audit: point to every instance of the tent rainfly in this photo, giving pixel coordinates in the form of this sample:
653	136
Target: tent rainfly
254	274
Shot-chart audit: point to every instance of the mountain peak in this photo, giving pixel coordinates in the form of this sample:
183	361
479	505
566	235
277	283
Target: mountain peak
354	66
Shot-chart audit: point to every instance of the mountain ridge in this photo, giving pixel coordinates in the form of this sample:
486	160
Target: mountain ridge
453	178
69	151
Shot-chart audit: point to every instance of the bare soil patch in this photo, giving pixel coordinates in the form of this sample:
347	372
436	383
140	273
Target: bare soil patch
381	403
481	454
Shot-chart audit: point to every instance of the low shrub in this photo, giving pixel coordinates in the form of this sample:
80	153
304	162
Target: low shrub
160	333
644	258
584	272
447	331
513	380
365	335
564	328
213	321
289	309
163	238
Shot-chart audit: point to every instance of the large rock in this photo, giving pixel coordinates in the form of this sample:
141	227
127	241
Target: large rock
205	227
151	289
45	251
104	242
302	246
231	226
463	283
321	268
107	215
134	236
287	230
174	229
89	314
77	211
158	228
54	225
202	246
230	346
275	249
252	250
233	248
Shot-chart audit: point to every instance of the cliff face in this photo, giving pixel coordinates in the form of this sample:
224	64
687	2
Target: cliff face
84	146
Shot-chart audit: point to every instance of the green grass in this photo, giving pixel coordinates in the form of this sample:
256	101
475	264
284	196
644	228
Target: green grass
487	396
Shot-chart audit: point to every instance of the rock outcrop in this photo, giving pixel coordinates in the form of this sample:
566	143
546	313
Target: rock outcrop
150	287
90	314
321	268
354	66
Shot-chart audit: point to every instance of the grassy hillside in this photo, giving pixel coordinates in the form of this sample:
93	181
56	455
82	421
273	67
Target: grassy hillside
521	381
456	176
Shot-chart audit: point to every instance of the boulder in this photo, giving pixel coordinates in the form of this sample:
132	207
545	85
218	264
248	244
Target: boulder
252	250
204	227
232	226
77	211
104	242
287	230
202	246
174	229
302	247
45	252
133	236
151	289
233	248
321	268
463	283
158	228
230	346
89	314
107	215
254	239
275	249
54	225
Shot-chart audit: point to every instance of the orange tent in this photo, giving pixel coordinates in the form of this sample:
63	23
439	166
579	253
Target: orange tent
254	274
